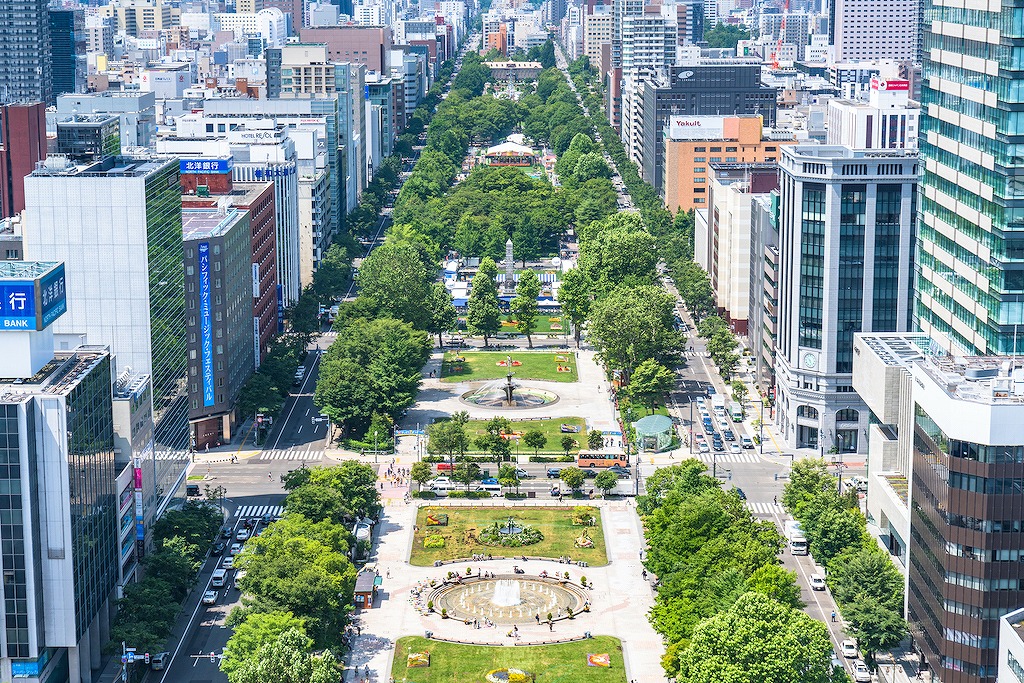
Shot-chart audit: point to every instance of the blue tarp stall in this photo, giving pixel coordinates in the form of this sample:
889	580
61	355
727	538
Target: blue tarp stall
654	433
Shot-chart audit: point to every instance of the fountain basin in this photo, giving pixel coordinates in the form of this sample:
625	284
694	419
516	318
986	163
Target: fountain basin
480	599
492	396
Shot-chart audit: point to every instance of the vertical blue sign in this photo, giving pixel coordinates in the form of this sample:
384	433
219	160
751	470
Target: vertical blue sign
206	322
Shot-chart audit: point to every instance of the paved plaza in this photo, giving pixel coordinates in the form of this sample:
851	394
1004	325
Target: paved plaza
620	598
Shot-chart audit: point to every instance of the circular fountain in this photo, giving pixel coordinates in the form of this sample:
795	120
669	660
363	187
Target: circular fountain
509	395
508	599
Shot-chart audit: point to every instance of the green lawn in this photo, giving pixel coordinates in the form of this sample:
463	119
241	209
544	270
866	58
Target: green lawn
465	522
551	427
544	325
482	365
562	663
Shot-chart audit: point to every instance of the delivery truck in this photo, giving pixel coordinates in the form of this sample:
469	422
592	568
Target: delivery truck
795	536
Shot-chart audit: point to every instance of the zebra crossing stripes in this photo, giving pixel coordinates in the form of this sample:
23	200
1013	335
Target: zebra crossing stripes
709	458
330	333
291	454
246	511
765	509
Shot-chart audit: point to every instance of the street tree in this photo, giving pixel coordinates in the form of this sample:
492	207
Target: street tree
866	571
317	503
394	281
248	635
357	484
484	316
807	479
289	659
574	295
535	439
573	477
568	443
778	583
606	481
508	477
524	306
448	437
443	316
497	446
758	639
650	381
595	439
631	325
876	627
421	472
739	390
466	473
834	531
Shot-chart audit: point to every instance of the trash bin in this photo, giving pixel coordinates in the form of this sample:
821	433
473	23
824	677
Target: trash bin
531	494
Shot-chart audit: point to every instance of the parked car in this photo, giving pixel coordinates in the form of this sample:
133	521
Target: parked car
159	660
489	481
861	673
622	472
589	472
553	472
849	648
210	598
817	582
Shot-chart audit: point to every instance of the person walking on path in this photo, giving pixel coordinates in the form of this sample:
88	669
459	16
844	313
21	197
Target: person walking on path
833	616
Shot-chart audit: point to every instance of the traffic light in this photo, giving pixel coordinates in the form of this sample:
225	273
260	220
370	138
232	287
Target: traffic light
146	656
213	657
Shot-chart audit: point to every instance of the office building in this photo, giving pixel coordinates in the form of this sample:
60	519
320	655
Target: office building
136	111
597	31
124	276
22	145
845	244
970	283
724	89
138	16
945	488
763	320
59	557
1011	647
886	121
268	24
876	29
90	137
25	63
99	34
366	45
68	44
731	189
218	289
692	142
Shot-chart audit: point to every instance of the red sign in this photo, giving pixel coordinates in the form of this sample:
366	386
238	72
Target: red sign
879	84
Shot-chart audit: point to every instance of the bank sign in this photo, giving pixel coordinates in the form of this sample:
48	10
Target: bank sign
696	127
33	304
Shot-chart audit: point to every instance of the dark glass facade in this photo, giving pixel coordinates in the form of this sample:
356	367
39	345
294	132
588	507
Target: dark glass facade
849	315
68	44
966	569
812	264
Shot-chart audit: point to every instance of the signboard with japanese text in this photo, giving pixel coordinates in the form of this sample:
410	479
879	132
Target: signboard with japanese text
206	322
52	296
197	166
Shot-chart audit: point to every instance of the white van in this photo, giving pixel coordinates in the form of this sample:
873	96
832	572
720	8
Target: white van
442	484
493	489
239	575
219	577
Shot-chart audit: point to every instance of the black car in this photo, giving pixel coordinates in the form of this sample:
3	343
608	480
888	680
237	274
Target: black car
623	472
718	446
589	473
740	493
218	548
553	472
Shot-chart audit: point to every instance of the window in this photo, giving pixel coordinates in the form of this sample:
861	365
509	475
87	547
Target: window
700	180
699	190
847	415
699	160
12	254
770	148
730	160
716	149
698	200
700	149
209	128
807	411
699	169
716	160
730	149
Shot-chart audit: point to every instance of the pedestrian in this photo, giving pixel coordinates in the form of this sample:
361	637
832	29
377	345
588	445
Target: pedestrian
775	500
537	617
270	476
643	574
551	626
833	616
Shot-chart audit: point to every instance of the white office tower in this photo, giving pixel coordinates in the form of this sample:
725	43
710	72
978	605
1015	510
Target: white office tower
887	120
649	44
845	244
620	10
269	24
876	29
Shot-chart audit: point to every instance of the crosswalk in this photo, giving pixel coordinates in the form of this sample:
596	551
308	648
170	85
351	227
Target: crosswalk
247	511
330	333
696	353
765	509
709	458
291	454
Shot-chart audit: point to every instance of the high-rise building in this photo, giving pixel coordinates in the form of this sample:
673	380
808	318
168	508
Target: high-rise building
124	273
25	74
597	31
68	42
886	121
136	110
366	45
845	242
218	288
22	145
90	137
944	490
876	29
970	272
60	554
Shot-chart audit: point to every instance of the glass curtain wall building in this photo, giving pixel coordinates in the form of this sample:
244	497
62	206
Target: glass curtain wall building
970	261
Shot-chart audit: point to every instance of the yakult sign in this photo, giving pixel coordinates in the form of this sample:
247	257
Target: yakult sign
696	127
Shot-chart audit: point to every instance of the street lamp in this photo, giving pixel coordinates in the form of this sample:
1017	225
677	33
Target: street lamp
760	430
374	445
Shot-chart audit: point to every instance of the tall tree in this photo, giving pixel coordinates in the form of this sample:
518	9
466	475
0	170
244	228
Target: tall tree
650	381
524	306
393	280
758	639
448	437
288	659
876	627
253	632
443	316
484	315
631	325
574	294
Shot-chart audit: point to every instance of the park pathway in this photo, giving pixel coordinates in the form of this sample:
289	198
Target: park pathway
621	600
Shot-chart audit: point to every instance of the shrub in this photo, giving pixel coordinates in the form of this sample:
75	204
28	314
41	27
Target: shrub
433	541
552	458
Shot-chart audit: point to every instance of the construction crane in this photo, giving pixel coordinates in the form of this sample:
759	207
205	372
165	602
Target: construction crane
782	32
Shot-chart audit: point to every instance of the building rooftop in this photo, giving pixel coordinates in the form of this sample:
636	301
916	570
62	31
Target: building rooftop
899	348
25	270
59	376
197	224
87	119
113	167
981	379
843	152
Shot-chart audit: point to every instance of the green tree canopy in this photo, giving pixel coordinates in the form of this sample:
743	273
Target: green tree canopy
484	316
524	306
649	382
394	282
574	294
255	631
631	325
